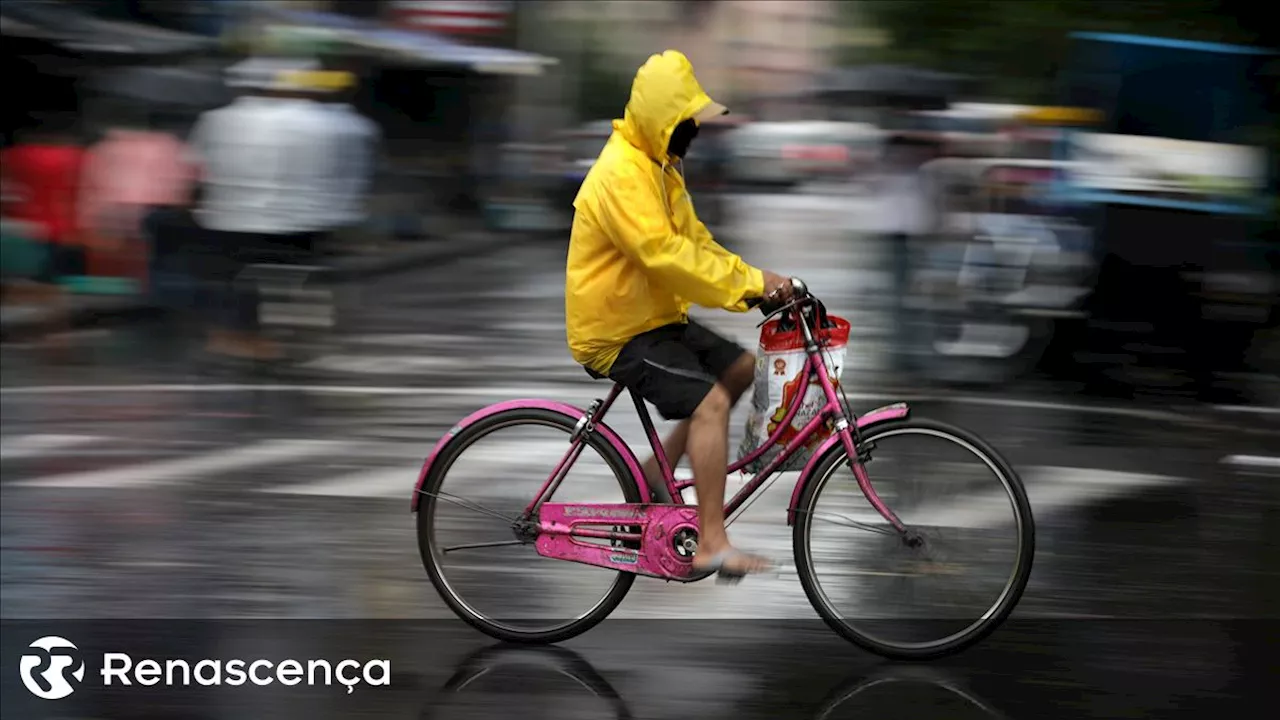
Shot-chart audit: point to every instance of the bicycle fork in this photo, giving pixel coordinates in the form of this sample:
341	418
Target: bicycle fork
859	453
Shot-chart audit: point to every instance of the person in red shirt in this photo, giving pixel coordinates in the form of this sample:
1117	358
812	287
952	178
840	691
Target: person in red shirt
42	180
41	176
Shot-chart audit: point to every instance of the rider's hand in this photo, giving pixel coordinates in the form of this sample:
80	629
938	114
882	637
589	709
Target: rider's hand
776	287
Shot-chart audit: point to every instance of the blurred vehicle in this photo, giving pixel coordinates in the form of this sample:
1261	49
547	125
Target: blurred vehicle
1004	268
1179	181
1041	133
579	149
528	178
964	132
784	154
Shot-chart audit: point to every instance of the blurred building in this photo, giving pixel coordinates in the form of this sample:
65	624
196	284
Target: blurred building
740	48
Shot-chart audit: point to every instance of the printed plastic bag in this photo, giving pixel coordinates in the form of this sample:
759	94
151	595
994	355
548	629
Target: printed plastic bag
780	365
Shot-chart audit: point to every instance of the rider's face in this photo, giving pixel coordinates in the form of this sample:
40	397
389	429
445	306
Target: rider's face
681	137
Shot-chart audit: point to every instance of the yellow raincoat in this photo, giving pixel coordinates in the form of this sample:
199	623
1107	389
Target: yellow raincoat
638	255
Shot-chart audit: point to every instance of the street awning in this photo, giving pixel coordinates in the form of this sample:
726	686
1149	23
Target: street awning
420	46
79	32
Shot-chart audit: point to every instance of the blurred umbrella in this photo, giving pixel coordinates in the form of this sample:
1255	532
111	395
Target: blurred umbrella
173	87
892	86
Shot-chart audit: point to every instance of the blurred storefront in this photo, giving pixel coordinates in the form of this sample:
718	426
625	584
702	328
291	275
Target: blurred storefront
440	98
50	48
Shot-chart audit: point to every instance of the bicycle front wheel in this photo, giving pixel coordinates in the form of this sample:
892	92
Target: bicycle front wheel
916	601
486	570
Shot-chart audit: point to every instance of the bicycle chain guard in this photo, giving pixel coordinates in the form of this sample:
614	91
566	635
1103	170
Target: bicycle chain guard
660	527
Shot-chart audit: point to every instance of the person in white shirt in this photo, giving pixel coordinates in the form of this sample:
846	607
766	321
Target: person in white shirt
267	190
354	159
905	215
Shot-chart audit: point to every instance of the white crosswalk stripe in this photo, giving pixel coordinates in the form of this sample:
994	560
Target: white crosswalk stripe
395	482
506	470
34	446
1050	490
168	472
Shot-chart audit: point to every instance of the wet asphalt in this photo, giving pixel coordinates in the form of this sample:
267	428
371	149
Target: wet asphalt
137	484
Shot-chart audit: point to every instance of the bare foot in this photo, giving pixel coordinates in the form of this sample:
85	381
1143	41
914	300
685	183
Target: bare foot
730	560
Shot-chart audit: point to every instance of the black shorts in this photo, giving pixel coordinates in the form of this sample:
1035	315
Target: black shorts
675	366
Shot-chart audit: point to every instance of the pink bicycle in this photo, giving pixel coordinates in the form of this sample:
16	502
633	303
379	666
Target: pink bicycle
612	535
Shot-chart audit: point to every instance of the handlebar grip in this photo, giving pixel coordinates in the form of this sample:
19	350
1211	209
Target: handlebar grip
767	307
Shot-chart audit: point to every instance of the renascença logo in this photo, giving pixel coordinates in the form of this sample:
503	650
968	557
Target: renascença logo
55	685
122	669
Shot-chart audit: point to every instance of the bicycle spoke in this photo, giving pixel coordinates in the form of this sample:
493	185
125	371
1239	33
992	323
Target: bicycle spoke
838	519
476	546
470	506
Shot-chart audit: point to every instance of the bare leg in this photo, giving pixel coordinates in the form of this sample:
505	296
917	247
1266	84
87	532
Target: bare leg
736	380
708	452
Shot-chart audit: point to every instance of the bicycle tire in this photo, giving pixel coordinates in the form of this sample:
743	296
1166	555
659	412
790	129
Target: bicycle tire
974	634
425	523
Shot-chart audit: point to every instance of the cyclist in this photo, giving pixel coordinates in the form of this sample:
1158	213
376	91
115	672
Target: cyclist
638	259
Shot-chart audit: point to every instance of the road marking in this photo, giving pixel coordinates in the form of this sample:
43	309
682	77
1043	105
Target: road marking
29	446
1252	461
412	339
506	468
386	364
575	390
392	482
1252	409
1050	490
175	471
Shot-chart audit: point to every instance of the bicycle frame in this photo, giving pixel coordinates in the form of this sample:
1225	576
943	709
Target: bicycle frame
846	433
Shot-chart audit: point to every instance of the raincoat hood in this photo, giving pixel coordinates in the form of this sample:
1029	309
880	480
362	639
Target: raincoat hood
664	94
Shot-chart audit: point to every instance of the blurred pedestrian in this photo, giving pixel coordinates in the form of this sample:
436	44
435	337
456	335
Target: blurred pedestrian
354	157
136	169
41	175
264	170
905	216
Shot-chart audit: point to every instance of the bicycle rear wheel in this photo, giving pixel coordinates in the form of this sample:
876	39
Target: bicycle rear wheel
476	492
861	576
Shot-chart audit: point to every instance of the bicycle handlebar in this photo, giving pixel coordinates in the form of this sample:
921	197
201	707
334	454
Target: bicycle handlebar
769	305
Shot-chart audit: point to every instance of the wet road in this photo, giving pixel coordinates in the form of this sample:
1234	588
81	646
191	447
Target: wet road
134	485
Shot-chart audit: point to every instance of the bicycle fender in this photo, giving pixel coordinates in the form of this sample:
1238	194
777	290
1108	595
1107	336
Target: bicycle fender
884	414
569	411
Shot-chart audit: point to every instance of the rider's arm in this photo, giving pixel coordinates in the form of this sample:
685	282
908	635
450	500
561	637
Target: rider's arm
703	235
631	210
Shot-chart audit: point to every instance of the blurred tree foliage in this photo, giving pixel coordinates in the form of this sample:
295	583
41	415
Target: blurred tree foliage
1016	46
